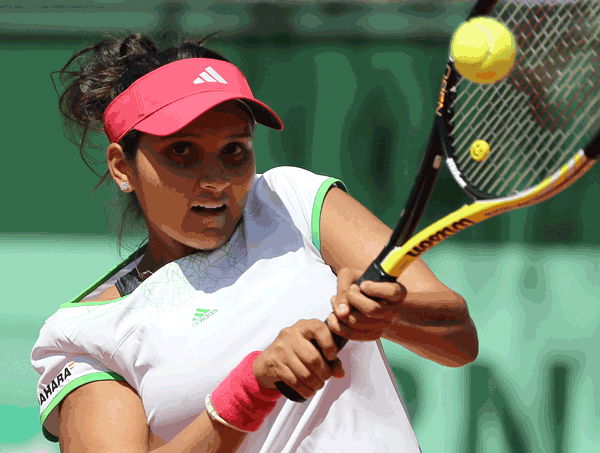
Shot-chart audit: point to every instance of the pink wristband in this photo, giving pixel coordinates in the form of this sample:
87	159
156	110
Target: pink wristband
240	401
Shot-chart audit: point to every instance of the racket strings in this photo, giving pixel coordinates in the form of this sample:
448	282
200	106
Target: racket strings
556	59
558	63
536	167
557	116
561	116
518	169
480	128
534	118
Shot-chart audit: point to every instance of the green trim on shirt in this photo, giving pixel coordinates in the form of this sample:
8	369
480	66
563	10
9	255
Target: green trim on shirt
92	377
318	207
75	301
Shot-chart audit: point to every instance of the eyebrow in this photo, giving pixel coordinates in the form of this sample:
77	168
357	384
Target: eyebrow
244	135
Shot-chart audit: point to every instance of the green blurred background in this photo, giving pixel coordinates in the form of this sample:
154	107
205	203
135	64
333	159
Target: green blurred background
356	84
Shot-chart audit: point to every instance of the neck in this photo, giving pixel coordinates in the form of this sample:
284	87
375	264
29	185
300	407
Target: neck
158	253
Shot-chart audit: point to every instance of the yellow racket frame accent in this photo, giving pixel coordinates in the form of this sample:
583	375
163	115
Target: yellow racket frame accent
399	258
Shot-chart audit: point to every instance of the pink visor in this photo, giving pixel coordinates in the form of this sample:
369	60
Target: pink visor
170	97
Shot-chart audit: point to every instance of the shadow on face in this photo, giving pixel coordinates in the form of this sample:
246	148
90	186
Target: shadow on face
193	185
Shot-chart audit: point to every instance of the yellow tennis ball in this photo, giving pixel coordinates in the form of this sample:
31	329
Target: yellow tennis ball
483	50
480	150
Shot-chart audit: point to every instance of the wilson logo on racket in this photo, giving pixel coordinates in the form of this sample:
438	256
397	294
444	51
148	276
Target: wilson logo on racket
56	383
439	237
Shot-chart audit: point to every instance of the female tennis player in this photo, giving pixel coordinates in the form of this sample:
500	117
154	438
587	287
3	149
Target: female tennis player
179	347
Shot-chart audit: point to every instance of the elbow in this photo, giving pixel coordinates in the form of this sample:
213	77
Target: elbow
473	340
468	346
462	357
468	343
470	355
474	352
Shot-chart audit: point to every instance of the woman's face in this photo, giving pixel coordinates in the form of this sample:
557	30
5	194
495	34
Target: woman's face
193	185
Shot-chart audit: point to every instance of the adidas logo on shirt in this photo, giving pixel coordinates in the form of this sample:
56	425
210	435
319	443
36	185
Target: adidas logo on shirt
202	315
210	75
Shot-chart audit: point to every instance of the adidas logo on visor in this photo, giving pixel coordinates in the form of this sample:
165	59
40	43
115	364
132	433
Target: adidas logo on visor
210	75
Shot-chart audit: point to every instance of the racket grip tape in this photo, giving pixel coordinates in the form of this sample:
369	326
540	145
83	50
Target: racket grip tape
374	273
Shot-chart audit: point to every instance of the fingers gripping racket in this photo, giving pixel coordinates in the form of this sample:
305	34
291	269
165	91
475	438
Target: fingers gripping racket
541	122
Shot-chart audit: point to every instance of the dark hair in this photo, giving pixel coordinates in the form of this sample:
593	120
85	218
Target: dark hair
96	75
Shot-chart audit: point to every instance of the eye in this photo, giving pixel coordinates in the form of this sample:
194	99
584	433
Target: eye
182	154
235	154
234	149
181	149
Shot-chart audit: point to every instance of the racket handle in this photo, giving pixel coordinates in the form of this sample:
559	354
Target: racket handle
374	273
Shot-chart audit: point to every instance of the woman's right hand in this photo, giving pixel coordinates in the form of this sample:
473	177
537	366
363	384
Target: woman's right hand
293	359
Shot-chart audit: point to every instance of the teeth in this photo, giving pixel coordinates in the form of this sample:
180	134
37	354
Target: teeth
209	206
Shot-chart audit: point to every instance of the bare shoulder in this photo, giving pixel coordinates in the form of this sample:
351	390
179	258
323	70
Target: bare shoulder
110	293
96	408
351	236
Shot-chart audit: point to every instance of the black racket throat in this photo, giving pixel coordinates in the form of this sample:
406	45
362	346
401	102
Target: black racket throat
421	191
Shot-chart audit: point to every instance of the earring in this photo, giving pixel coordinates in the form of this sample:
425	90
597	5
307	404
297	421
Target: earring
124	186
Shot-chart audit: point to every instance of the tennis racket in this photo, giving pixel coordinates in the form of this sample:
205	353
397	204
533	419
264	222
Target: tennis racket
541	122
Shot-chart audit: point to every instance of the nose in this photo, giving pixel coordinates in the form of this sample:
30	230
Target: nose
213	176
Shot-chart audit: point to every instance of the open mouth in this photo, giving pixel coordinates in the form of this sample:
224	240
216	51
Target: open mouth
209	209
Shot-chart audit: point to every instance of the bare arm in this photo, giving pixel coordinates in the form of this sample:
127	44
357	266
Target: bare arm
108	417
435	321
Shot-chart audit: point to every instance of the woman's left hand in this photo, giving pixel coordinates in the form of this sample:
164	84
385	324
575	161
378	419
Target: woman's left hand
362	314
